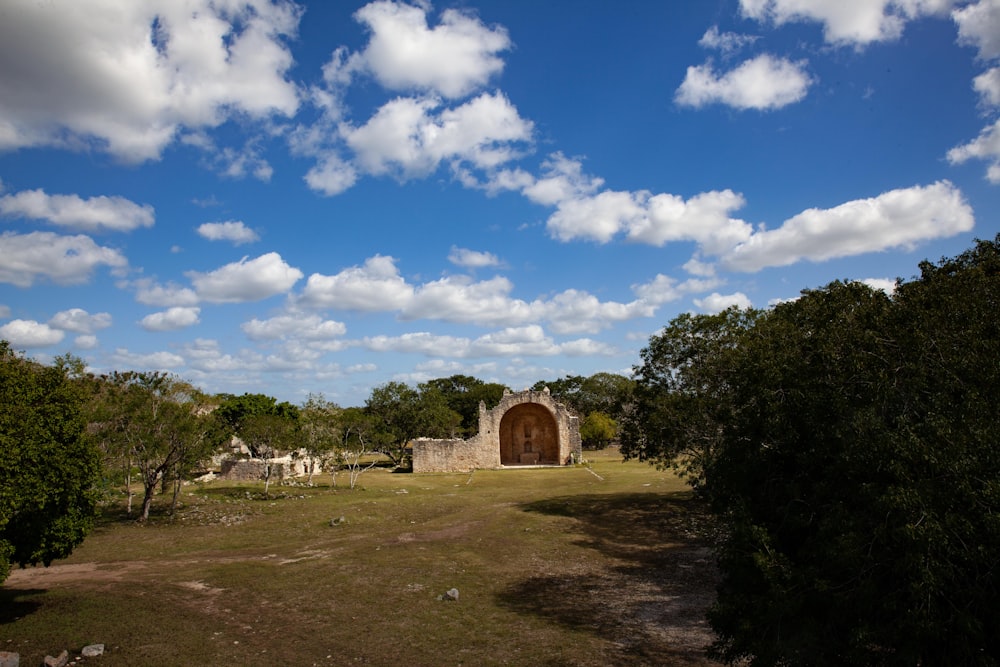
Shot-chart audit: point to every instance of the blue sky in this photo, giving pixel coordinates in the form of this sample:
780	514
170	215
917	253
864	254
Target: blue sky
263	196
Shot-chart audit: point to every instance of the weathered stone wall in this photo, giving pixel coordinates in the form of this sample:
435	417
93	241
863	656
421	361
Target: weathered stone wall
432	455
524	428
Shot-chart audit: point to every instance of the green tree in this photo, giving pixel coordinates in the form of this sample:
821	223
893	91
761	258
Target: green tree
157	425
847	443
598	430
401	413
47	469
679	405
263	424
463	393
320	432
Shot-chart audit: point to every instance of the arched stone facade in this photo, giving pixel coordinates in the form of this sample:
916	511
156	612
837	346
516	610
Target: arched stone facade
525	428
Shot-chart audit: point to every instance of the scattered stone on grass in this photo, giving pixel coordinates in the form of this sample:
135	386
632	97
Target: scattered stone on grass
9	659
450	596
337	521
58	661
92	651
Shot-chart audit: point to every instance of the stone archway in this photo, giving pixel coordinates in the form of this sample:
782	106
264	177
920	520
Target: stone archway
529	435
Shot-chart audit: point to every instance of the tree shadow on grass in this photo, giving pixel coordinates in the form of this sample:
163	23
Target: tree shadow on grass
17	603
650	601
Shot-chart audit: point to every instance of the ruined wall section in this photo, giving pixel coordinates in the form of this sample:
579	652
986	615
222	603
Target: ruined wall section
496	436
456	455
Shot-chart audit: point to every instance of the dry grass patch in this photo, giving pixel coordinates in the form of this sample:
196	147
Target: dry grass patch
598	565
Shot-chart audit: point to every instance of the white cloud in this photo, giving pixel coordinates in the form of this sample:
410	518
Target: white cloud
86	342
762	83
405	138
987	85
331	176
65	260
899	218
246	280
127	77
123	358
29	333
598	217
885	284
562	180
4	311
851	22
172	319
452	59
726	42
704	218
716	303
294	326
472	259
979	27
94	214
80	321
664	289
984	147
376	286
231	230
152	294
529	340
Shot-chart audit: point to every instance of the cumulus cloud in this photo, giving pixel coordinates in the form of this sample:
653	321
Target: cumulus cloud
246	280
376	286
130	77
29	333
898	218
726	42
979	27
151	293
847	22
716	303
232	230
331	176
984	147
298	326
408	137
763	83
472	259
452	59
95	214
525	341
80	321
65	260
582	213
987	85
123	358
172	319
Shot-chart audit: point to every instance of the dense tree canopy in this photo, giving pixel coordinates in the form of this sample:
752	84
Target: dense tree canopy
47	469
847	441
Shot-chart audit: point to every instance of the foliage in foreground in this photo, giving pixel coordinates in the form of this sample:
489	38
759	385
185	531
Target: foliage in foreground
848	442
47	469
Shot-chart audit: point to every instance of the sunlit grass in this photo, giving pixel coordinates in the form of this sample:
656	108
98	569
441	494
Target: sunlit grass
232	578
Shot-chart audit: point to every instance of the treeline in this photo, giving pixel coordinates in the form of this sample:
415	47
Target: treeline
70	439
848	444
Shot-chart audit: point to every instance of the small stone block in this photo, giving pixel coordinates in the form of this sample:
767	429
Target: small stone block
92	651
58	661
9	659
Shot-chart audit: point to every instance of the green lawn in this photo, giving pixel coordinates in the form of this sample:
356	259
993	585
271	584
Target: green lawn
591	565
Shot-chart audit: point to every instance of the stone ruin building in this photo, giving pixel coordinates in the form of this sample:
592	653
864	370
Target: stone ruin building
525	428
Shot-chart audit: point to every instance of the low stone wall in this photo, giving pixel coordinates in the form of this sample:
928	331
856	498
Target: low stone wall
456	455
251	470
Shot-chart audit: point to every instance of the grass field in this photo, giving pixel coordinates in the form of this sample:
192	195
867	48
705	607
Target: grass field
602	564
